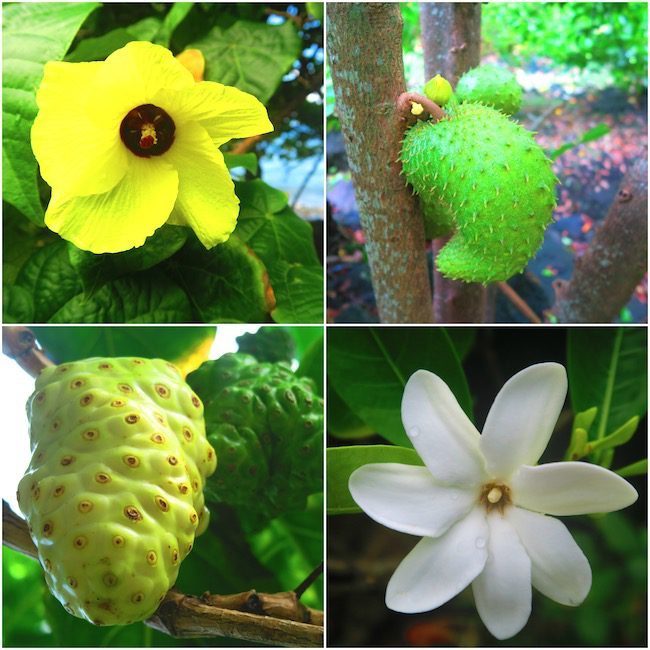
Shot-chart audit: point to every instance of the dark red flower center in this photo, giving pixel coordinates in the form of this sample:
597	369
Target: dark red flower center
147	130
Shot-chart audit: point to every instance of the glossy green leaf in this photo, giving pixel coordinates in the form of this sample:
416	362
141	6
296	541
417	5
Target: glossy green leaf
148	297
304	337
634	469
311	364
251	56
97	270
98	48
607	368
284	242
49	279
17	305
226	283
369	368
33	33
72	343
246	160
342	461
172	20
622	435
342	423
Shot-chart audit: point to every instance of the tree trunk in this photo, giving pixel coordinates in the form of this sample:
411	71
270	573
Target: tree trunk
365	53
451	39
606	275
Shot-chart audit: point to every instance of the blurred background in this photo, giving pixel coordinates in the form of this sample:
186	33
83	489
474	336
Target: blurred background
362	554
583	67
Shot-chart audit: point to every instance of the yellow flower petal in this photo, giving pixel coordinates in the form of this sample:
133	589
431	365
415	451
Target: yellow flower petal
76	154
206	194
121	218
134	75
223	111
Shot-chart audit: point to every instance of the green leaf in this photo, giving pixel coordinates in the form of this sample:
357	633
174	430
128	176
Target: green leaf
98	48
97	270
342	461
292	547
284	242
342	423
607	367
50	280
622	435
311	364
634	469
148	297
33	34
72	343
17	305
226	283
463	339
369	368
592	134
172	20
246	160
251	56
304	337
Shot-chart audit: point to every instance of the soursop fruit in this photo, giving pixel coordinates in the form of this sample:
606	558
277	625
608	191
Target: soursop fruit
114	492
266	425
483	178
490	85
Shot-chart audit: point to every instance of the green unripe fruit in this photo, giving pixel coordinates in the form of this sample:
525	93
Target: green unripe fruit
438	90
483	178
114	491
266	425
490	85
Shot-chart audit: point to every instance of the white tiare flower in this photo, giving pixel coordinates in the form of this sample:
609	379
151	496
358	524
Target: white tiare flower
481	502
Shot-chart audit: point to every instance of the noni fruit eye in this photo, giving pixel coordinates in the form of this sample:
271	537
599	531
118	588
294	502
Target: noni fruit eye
483	178
114	492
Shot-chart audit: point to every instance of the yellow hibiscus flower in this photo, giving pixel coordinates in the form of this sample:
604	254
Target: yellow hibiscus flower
132	142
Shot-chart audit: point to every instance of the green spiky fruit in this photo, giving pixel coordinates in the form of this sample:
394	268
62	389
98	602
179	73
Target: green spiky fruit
484	178
490	85
266	425
114	491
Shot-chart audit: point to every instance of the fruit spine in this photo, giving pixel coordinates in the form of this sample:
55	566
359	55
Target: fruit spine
483	178
114	491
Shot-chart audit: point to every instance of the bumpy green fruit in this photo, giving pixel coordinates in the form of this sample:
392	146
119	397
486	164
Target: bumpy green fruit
491	85
266	425
114	492
484	178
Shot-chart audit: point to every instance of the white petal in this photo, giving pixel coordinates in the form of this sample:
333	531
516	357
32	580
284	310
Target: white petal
440	431
560	569
522	418
502	592
406	498
438	569
572	488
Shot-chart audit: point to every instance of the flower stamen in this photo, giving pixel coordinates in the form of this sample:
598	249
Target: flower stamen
147	130
495	496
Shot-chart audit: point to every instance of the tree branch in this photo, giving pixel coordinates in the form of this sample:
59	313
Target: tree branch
272	619
19	343
604	278
365	53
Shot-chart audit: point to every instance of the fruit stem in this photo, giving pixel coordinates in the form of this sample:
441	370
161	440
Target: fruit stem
405	101
19	343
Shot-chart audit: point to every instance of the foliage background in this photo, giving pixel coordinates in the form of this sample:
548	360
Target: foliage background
362	554
225	559
273	51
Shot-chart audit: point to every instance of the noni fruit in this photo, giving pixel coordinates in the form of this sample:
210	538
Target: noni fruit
114	492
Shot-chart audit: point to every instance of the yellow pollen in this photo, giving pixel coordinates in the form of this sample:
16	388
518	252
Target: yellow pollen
494	495
148	135
417	109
